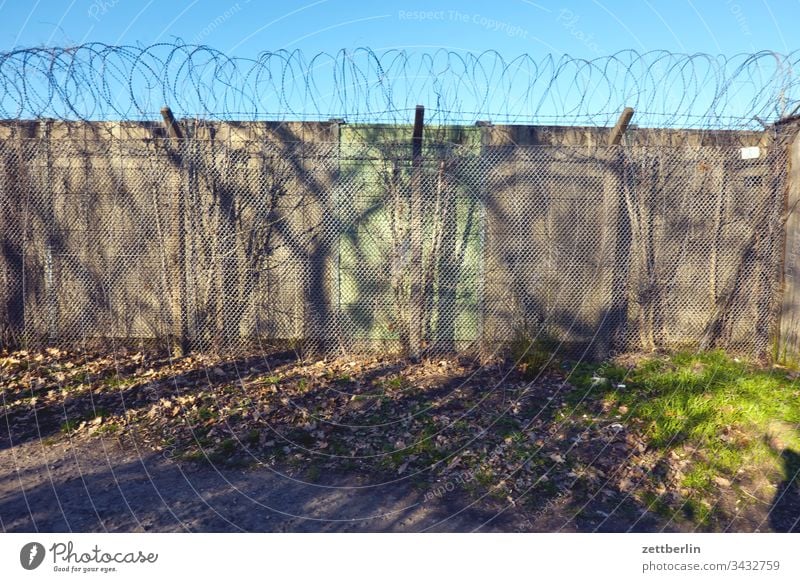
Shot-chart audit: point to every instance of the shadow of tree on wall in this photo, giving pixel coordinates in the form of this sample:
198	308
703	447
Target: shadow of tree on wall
560	235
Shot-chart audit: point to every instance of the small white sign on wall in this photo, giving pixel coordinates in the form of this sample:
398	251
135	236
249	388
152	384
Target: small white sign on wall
751	153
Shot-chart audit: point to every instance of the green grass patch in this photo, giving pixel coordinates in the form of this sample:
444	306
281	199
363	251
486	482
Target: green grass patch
194	456
227	447
313	472
656	504
532	352
702	397
253	436
109	429
118	382
396	383
70	426
97	413
205	413
338	448
739	419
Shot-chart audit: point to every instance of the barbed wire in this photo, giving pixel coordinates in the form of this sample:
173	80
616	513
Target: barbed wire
103	82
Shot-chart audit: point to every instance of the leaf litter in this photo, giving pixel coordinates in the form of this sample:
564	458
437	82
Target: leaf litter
520	442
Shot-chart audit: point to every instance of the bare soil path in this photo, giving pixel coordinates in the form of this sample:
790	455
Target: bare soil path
98	485
105	485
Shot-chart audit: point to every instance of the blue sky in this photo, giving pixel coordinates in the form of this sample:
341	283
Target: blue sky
583	29
246	27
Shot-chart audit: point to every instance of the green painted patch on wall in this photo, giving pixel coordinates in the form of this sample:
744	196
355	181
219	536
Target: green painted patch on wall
374	256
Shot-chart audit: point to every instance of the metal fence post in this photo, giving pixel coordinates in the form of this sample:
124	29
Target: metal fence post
485	142
416	301
174	132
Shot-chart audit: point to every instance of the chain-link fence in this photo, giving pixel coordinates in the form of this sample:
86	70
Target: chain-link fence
339	237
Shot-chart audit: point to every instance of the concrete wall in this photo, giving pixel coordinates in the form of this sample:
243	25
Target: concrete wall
300	230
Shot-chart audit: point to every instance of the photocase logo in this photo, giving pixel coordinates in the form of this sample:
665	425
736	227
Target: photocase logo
31	555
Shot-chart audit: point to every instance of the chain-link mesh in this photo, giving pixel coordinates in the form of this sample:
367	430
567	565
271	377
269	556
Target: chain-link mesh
634	247
334	236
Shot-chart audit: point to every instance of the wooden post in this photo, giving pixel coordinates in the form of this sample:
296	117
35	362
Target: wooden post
416	301
173	129
622	125
174	132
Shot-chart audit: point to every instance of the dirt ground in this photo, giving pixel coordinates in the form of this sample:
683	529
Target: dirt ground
132	442
103	485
